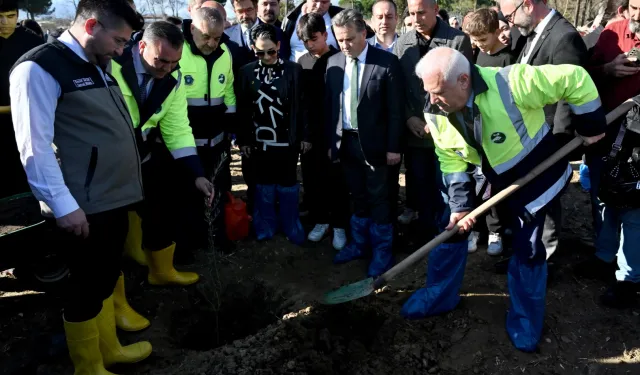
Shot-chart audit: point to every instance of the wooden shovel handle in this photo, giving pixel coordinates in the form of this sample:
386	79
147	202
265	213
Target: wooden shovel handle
535	172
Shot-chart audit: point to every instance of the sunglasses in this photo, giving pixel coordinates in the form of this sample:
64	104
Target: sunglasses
270	52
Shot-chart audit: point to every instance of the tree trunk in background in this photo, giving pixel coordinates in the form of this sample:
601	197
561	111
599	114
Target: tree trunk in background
576	14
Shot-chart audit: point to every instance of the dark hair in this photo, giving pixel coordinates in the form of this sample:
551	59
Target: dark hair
611	11
174	20
111	13
8	5
395	7
443	14
163	30
33	26
350	18
264	31
310	24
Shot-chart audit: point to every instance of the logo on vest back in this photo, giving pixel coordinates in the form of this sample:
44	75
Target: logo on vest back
188	80
498	137
221	78
83	82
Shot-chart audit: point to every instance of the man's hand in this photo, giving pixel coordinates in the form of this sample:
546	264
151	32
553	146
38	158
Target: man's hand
465	224
246	150
619	67
206	187
305	147
393	158
587	141
417	126
75	222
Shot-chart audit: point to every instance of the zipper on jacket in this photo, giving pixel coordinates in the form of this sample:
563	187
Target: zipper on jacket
93	162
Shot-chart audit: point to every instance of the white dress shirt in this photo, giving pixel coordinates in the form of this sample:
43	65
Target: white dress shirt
140	70
34	98
538	30
346	86
297	46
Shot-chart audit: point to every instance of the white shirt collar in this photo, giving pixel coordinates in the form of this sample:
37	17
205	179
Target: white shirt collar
68	40
137	60
545	21
379	45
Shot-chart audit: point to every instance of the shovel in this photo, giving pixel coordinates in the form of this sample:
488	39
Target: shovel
365	287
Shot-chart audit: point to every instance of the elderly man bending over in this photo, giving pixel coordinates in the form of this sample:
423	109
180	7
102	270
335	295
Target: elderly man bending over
493	118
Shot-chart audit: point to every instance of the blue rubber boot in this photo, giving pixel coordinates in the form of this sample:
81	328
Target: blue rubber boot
265	221
445	272
527	291
381	243
359	241
289	214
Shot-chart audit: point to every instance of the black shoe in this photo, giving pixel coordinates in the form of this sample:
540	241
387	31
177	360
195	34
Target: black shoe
621	295
595	268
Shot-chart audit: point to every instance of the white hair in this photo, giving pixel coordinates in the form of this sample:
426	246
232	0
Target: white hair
446	61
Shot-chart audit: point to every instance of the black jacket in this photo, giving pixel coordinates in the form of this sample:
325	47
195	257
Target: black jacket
559	43
11	49
289	87
380	110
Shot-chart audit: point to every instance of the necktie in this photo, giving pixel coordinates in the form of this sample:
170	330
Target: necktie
354	94
146	78
529	45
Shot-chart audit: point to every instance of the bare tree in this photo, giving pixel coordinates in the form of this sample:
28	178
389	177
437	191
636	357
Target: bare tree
74	4
175	6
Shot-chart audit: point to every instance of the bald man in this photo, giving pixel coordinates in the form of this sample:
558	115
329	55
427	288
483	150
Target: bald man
483	117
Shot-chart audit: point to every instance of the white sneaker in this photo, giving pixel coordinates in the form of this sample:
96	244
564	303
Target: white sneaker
339	238
318	232
495	244
407	216
473	241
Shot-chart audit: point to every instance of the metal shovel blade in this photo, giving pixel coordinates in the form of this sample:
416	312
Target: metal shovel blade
350	292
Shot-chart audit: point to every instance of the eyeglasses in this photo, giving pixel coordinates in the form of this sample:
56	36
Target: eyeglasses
510	16
270	52
120	42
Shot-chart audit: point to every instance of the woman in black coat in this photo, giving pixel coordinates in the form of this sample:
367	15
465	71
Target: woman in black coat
271	131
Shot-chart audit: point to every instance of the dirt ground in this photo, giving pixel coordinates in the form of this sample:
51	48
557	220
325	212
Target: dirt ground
257	312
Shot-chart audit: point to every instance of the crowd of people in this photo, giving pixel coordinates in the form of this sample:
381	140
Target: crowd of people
123	131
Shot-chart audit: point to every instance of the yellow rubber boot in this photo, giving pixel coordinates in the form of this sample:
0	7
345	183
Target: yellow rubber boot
161	271
133	244
127	319
112	351
83	341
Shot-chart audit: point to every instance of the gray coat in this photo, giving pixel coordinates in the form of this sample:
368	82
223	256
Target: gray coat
408	52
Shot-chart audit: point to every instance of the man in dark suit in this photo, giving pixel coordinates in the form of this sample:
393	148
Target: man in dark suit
551	39
364	123
420	159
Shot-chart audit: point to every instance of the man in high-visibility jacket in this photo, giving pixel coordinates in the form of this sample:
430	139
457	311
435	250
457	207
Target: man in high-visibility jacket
493	118
152	88
208	78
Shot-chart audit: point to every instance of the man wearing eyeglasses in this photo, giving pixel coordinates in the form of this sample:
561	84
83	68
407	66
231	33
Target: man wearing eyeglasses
208	77
551	39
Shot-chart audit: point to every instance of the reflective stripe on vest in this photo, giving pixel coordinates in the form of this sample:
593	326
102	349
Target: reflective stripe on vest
528	143
551	193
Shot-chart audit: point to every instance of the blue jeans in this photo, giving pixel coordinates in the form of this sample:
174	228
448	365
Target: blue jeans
595	164
627	222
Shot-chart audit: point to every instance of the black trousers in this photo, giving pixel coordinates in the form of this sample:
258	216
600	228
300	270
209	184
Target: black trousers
275	165
94	262
369	185
159	209
325	189
14	180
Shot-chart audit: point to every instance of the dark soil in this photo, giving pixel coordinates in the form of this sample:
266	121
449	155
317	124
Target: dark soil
256	312
19	213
